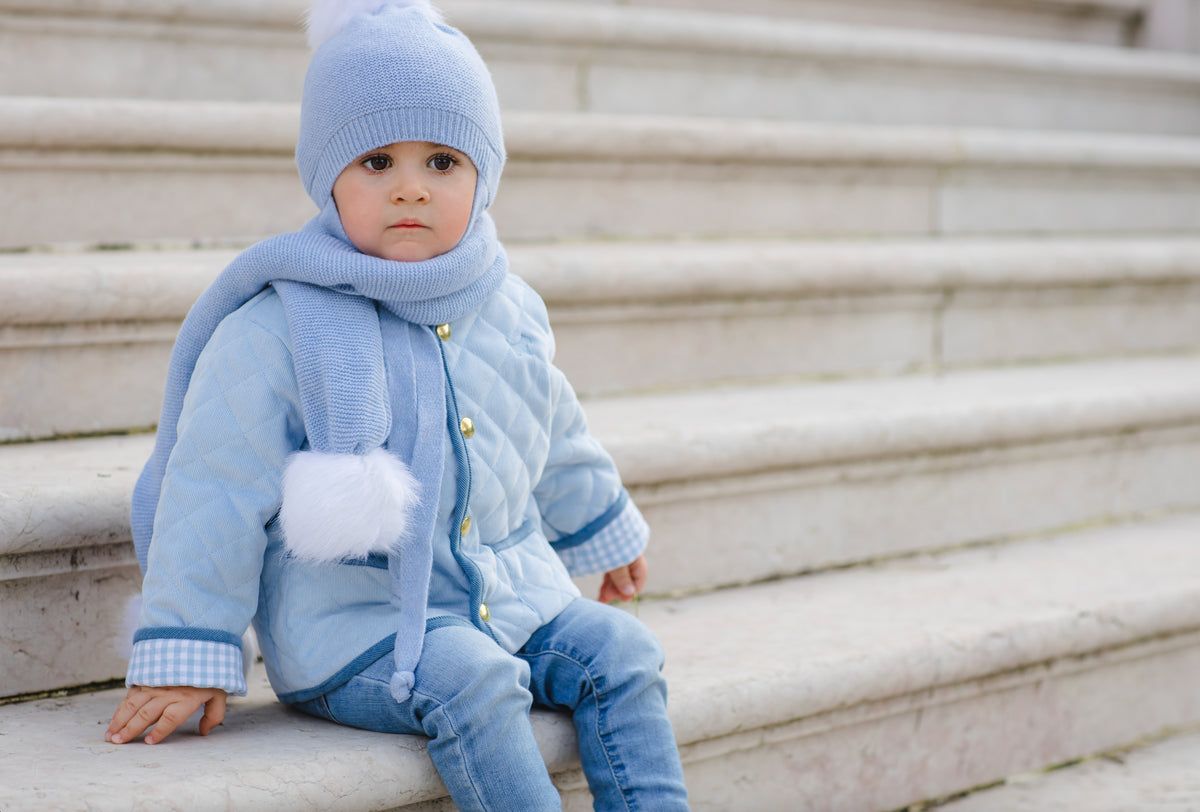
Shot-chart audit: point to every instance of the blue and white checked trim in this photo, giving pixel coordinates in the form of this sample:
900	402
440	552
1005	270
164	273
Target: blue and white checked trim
159	662
617	544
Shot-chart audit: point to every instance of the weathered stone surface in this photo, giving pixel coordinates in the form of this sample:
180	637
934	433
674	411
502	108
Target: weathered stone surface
594	57
1106	22
65	628
926	674
827	476
224	171
1159	775
713	312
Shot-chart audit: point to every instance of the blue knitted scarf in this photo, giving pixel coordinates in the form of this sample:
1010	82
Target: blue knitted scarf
330	292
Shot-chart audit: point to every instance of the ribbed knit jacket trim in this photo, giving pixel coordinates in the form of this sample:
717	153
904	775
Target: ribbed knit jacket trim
330	292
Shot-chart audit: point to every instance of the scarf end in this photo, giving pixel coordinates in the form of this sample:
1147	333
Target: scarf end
402	684
339	507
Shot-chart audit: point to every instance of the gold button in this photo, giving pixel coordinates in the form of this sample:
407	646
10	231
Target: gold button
485	614
443	331
466	526
468	427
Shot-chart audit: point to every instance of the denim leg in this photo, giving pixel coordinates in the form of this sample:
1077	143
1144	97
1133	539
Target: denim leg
604	666
471	698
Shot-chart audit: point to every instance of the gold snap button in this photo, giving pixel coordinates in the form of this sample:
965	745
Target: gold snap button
485	614
466	526
468	427
443	332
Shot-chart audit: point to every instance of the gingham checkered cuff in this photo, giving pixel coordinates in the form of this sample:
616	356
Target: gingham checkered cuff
160	662
618	542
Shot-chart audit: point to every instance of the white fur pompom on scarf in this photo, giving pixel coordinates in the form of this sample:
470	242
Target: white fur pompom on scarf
345	506
327	18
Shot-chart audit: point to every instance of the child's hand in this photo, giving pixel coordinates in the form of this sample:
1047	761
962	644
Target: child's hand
165	709
624	583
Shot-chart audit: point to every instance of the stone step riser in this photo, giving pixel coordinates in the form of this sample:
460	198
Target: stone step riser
838	514
1108	22
833	475
587	58
894	754
1137	774
1095	22
95	172
145	57
65	617
630	318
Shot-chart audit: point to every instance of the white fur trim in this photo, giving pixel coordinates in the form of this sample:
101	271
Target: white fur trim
326	19
345	506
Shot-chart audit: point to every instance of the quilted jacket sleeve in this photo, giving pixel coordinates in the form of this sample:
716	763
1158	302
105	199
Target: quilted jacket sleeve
588	516
240	420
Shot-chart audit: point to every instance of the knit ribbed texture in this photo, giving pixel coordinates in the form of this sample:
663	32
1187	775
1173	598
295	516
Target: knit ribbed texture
391	75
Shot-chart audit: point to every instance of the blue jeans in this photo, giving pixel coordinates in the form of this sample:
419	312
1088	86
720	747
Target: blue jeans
472	700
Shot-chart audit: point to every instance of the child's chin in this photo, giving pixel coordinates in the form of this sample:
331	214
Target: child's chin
414	253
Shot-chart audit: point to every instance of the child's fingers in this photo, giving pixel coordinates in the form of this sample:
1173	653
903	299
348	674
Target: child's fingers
638	571
164	709
178	710
621	582
134	699
608	593
139	710
214	713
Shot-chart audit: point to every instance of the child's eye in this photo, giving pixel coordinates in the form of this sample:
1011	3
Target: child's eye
442	162
377	163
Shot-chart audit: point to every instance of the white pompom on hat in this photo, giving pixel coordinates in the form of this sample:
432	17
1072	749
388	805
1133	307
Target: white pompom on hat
327	18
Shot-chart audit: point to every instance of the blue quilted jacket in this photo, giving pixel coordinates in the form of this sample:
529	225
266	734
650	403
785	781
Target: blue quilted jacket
543	499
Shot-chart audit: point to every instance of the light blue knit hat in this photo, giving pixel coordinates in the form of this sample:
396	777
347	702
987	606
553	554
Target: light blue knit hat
385	71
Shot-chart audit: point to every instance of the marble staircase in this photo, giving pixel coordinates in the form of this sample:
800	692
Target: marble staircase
177	173
595	57
893	329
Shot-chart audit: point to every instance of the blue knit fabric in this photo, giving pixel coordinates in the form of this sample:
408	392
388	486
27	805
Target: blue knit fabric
396	75
391	75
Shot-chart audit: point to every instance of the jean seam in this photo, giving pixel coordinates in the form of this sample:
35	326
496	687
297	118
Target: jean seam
616	769
462	756
328	711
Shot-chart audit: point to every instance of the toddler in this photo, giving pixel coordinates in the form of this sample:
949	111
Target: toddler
366	452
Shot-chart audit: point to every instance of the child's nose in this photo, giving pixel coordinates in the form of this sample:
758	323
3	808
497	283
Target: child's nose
409	188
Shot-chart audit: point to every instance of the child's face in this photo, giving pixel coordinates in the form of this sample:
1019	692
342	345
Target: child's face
408	201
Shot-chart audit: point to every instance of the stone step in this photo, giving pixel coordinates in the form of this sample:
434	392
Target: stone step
828	475
837	473
714	312
659	62
1102	22
599	58
1159	775
862	689
113	172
